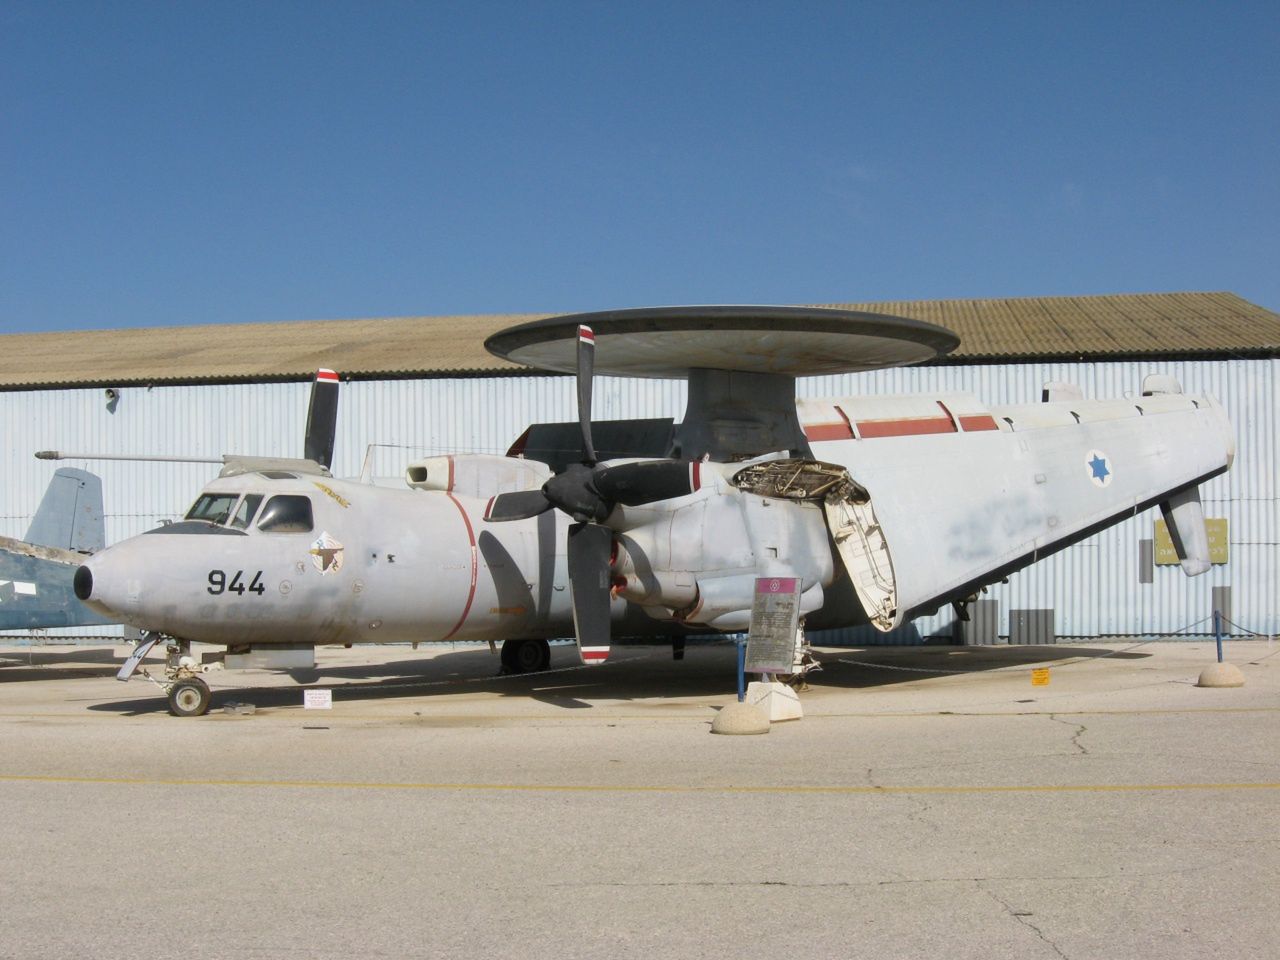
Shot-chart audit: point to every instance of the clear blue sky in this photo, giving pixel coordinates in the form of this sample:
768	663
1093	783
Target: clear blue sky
171	163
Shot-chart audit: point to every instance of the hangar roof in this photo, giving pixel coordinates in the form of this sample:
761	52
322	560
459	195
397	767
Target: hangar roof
998	330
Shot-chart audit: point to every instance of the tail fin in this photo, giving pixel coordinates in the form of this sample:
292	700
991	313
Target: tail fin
70	515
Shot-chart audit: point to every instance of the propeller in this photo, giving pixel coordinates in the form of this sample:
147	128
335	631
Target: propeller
589	492
322	419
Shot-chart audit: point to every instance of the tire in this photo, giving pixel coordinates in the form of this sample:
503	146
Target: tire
189	698
525	656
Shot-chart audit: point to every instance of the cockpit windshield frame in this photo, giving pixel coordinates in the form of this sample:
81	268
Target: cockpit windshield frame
214	508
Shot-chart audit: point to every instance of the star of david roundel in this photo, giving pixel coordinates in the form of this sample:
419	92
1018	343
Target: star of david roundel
1097	466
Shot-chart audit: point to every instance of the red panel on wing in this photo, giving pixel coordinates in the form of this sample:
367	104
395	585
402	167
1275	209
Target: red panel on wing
978	422
828	431
907	427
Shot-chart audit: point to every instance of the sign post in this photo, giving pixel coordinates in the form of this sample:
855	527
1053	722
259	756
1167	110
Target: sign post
771	645
775	616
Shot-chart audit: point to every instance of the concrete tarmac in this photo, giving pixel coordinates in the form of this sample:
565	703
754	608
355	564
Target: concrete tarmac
440	811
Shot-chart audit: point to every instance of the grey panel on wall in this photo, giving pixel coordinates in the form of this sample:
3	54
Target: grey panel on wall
1146	561
1031	627
1222	603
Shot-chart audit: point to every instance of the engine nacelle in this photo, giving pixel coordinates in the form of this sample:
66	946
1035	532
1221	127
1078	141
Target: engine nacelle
725	602
477	474
640	583
696	559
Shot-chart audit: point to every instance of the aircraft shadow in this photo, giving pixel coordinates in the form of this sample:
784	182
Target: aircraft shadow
56	665
633	673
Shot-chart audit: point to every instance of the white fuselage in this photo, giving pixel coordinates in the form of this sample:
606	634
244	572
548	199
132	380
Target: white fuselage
959	494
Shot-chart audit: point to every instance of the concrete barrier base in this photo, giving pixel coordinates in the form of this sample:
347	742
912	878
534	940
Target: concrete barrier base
1221	675
740	719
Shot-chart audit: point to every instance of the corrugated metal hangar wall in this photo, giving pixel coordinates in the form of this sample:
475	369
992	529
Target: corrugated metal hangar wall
1093	588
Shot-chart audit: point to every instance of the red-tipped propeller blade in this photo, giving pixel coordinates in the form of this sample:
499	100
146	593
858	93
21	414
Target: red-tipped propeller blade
589	547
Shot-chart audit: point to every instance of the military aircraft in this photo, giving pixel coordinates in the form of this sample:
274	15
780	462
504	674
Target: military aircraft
879	509
36	572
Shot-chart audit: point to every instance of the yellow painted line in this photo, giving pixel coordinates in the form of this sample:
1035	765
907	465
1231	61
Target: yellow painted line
641	788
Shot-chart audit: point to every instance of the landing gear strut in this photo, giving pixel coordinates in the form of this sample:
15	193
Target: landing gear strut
525	656
187	693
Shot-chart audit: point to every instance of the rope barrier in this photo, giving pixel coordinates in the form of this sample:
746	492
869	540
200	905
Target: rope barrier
1252	633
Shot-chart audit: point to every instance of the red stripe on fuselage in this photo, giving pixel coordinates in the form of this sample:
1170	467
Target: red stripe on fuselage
475	565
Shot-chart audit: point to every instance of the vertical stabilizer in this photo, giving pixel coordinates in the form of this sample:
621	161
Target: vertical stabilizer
70	515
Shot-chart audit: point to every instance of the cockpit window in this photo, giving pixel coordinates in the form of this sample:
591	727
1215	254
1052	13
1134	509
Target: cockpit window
286	514
213	507
244	513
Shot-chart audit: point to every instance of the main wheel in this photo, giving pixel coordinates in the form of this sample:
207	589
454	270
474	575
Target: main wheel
189	698
525	656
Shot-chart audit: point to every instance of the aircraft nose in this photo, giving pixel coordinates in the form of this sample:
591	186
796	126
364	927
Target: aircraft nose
82	584
96	584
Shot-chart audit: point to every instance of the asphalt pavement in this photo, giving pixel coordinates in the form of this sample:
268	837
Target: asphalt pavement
933	802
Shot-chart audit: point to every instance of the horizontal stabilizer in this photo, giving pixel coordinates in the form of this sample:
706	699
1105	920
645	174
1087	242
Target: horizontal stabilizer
36	590
1184	516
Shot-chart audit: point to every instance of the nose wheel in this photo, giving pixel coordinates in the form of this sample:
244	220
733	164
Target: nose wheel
187	693
189	698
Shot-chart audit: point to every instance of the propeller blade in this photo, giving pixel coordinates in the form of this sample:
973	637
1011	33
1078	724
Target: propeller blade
648	481
520	505
589	548
586	371
322	419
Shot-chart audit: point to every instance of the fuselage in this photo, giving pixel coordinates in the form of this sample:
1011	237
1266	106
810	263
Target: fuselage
956	495
351	563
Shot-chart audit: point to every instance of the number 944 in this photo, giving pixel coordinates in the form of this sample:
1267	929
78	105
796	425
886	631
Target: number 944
218	583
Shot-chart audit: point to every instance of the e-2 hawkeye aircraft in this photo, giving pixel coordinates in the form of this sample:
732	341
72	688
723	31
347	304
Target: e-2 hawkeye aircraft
882	509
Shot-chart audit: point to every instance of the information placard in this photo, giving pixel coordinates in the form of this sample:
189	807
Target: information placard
1215	527
775	615
317	699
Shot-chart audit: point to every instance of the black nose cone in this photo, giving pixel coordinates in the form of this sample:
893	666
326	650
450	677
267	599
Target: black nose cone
83	583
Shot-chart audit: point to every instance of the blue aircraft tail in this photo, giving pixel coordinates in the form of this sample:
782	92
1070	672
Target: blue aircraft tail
70	515
36	574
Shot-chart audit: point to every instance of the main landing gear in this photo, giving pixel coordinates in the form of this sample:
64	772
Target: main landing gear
525	656
186	691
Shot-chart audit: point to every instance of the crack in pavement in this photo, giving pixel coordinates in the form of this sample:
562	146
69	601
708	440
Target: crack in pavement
917	806
1021	916
1080	729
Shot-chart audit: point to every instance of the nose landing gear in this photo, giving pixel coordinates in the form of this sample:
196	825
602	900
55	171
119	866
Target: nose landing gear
186	691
